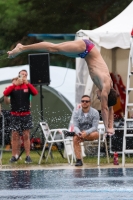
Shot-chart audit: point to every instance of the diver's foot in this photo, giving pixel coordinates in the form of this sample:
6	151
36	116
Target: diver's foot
17	50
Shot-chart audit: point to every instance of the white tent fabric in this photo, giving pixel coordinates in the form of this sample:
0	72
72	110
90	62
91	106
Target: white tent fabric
113	41
62	79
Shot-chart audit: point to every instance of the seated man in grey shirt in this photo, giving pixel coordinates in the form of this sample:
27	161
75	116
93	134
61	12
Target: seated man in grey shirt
85	121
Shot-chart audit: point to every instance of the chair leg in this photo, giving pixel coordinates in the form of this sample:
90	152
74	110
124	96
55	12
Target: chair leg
82	151
73	158
106	147
66	152
42	153
99	146
49	151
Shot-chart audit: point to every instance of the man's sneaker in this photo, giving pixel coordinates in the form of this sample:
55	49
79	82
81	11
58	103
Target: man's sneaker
28	159
68	133
13	160
78	162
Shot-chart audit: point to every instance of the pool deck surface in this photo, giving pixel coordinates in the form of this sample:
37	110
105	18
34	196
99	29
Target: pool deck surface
61	166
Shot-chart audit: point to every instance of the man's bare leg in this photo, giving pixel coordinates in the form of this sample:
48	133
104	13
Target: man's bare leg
18	150
26	137
77	140
15	143
69	48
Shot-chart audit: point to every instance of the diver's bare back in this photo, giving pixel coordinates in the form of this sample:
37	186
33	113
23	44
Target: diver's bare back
98	69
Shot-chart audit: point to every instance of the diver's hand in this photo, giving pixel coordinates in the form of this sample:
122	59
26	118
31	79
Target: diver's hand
110	131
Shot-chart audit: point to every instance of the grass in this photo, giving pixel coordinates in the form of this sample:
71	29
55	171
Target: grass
58	159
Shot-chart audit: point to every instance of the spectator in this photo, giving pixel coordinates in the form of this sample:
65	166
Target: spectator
21	119
85	121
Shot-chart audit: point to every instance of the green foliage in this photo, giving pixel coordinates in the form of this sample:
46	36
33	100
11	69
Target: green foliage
20	17
8	21
67	16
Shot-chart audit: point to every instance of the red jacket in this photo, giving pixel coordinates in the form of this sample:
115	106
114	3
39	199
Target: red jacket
19	95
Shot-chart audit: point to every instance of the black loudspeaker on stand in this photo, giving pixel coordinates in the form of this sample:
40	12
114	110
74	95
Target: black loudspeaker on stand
39	75
39	69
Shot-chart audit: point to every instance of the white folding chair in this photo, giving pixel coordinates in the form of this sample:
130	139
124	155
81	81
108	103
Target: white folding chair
50	138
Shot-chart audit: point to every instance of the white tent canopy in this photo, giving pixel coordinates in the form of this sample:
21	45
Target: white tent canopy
113	41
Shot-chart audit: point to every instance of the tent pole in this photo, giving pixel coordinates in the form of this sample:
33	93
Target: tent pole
114	60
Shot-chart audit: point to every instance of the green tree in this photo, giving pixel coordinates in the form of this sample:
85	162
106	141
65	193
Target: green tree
20	17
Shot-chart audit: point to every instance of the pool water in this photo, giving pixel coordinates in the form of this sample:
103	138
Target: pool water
65	184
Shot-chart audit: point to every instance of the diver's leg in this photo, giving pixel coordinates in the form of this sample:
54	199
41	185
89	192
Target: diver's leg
64	48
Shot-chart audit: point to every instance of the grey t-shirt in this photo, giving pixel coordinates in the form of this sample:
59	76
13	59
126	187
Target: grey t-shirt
88	123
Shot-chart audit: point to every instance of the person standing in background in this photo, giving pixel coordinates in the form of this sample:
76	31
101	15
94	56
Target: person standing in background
21	119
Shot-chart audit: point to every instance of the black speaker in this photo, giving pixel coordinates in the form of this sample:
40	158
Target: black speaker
39	68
